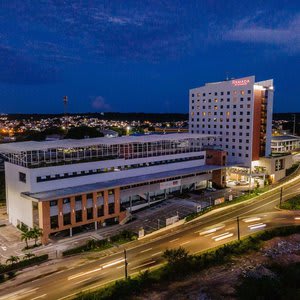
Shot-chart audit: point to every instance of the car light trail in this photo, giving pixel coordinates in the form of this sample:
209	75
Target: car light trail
257	226
96	270
223	236
249	220
212	230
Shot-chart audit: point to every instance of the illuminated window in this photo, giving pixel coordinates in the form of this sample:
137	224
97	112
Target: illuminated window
209	113
234	92
216	100
227	113
198	94
215	107
204	113
192	113
242	92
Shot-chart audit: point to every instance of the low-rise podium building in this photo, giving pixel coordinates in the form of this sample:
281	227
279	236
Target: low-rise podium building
62	185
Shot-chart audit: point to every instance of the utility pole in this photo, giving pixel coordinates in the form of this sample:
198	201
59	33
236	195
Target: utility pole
125	264
280	199
238	228
294	125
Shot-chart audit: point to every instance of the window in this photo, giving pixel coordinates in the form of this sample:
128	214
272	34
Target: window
203	94
53	203
89	213
193	95
66	200
78	216
54	222
216	93
22	177
228	93
78	198
67	219
249	91
111	208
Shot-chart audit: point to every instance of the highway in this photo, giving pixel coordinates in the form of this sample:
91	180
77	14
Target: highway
212	229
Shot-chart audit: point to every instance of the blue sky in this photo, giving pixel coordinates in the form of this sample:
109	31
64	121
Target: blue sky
145	55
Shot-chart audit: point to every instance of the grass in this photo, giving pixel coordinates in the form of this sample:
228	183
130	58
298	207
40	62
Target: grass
186	265
292	204
123	237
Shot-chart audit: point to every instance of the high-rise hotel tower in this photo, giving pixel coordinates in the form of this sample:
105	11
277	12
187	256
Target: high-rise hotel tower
239	112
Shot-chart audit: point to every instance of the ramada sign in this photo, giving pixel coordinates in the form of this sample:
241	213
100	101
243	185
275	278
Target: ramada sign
240	82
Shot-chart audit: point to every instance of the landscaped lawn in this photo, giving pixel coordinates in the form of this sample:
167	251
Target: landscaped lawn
292	204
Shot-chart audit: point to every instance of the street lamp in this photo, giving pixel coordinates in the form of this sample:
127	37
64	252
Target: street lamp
125	264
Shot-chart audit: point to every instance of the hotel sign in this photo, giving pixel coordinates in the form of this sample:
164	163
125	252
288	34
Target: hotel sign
240	82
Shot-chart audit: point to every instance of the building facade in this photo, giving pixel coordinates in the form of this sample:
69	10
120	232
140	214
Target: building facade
285	143
239	111
62	185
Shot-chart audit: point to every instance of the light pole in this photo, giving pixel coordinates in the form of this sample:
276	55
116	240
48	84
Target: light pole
125	264
280	199
238	228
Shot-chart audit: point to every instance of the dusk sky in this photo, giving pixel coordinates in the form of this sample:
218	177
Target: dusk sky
142	56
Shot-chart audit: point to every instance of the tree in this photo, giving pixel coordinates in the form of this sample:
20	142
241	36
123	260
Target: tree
83	131
36	233
25	236
175	256
12	259
28	256
23	227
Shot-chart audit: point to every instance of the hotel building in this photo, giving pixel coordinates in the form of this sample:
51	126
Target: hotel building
61	185
239	111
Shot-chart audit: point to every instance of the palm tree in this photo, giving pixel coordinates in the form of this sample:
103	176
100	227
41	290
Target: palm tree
12	259
25	236
28	256
36	233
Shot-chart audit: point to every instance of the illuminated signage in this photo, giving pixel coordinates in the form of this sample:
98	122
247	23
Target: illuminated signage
240	82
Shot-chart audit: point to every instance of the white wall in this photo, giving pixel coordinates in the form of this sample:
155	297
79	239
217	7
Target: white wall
18	208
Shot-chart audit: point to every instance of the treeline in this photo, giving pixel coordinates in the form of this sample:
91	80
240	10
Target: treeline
116	116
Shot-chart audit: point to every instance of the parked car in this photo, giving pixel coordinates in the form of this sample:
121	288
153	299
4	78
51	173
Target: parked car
210	189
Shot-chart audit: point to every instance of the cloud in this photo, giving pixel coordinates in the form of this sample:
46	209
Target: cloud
17	68
285	35
99	103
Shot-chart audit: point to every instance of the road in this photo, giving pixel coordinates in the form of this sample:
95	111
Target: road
211	230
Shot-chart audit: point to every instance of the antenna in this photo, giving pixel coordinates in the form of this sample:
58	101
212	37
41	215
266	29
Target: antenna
65	100
227	77
294	125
